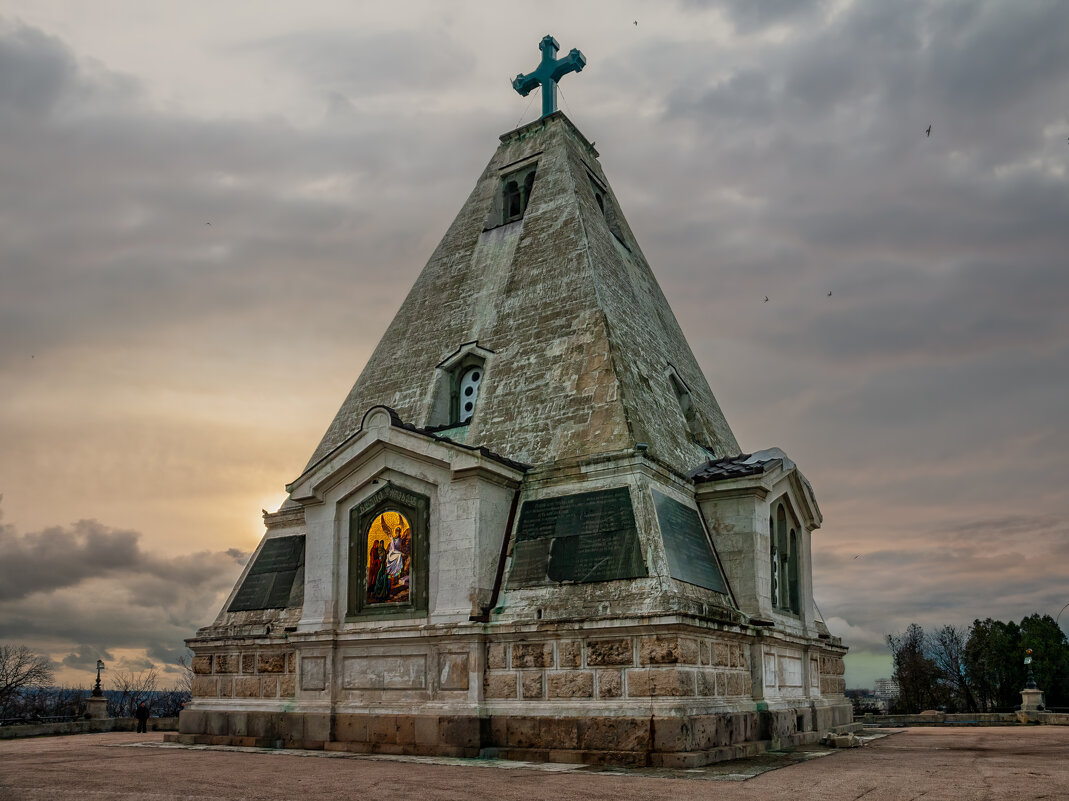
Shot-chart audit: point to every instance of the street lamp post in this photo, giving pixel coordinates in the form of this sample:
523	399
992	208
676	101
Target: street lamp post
97	692
96	705
1031	696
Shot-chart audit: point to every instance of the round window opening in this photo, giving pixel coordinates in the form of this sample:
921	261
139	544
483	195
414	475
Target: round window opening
389	559
469	392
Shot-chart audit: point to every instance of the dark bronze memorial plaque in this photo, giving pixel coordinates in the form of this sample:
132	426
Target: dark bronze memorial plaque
690	556
276	578
577	538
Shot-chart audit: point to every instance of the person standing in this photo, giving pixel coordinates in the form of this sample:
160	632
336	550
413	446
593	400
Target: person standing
141	713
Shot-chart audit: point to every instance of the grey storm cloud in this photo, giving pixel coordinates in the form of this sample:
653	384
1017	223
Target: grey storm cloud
35	70
60	557
97	587
85	657
57	557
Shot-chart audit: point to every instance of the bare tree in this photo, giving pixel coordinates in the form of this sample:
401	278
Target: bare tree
184	683
130	689
169	703
21	669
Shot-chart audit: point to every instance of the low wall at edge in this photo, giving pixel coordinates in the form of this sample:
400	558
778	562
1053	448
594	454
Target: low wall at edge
967	719
84	727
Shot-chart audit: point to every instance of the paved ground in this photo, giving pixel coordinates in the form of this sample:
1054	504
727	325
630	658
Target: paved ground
1000	764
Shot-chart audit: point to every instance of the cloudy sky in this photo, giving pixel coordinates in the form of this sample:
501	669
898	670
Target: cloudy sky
161	378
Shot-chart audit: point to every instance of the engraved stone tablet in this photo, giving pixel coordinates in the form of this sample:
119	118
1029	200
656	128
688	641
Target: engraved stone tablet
577	538
276	578
690	556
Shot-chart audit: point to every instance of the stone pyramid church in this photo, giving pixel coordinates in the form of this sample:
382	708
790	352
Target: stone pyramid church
529	531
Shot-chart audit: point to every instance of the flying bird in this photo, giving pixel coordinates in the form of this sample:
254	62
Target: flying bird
929	131
829	294
766	298
858	556
207	223
636	22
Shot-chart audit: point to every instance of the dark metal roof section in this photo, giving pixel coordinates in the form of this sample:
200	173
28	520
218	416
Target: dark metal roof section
728	467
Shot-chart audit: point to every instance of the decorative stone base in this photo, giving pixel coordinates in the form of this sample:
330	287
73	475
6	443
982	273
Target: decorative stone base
685	741
96	707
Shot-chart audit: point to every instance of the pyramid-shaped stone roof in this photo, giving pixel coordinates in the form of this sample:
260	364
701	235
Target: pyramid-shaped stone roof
584	354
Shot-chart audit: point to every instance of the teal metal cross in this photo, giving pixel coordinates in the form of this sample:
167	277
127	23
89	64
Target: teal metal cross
549	72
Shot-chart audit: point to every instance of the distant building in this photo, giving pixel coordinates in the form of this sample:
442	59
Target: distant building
886	690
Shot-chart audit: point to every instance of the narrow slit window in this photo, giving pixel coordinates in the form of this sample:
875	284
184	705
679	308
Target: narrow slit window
686	405
608	210
773	561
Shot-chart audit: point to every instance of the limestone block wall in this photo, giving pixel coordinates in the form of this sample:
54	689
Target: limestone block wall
831	675
740	531
249	672
404	675
613	668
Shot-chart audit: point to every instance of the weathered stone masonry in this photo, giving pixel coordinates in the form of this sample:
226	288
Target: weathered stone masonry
245	674
617	667
597	573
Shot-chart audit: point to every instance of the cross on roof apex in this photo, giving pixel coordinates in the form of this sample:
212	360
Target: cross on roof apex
548	72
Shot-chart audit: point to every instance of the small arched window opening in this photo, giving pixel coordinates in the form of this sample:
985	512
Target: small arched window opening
513	201
782	553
